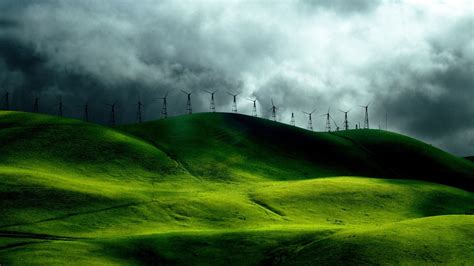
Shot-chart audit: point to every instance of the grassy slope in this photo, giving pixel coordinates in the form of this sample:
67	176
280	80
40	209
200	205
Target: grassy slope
188	188
206	144
424	162
470	158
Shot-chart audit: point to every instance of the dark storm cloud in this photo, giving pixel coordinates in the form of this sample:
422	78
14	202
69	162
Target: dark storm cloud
7	23
436	105
412	60
343	6
112	57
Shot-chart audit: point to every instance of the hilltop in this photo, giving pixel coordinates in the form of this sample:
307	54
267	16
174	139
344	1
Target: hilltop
204	142
227	188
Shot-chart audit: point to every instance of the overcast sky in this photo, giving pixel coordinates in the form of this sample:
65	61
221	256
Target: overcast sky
413	60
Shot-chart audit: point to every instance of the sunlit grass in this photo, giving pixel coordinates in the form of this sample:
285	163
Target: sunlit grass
209	187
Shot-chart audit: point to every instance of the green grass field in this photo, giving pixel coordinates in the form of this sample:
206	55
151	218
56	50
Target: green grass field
227	189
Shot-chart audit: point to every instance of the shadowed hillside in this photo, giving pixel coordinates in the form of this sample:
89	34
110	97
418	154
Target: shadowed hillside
205	142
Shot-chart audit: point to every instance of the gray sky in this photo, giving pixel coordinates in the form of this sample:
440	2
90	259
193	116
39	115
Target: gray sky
413	60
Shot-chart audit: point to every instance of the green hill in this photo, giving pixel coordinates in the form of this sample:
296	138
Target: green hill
225	188
207	144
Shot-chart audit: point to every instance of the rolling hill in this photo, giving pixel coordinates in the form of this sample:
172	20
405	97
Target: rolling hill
225	188
203	142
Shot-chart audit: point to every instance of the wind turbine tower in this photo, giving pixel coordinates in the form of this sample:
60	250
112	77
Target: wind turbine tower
164	109
310	120
112	113
366	118
139	111
254	108
7	95
346	122
36	105
328	121
274	108
234	102
189	109
7	100
86	112
212	105
292	121
60	106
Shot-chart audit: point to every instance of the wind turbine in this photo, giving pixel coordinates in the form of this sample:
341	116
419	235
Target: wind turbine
112	113
346	122
6	99
85	115
189	109
60	106
274	108
6	96
328	121
212	106
254	108
234	102
164	108
366	118
310	120
139	111
36	105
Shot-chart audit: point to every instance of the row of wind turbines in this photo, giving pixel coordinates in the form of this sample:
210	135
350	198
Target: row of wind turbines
273	109
212	108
